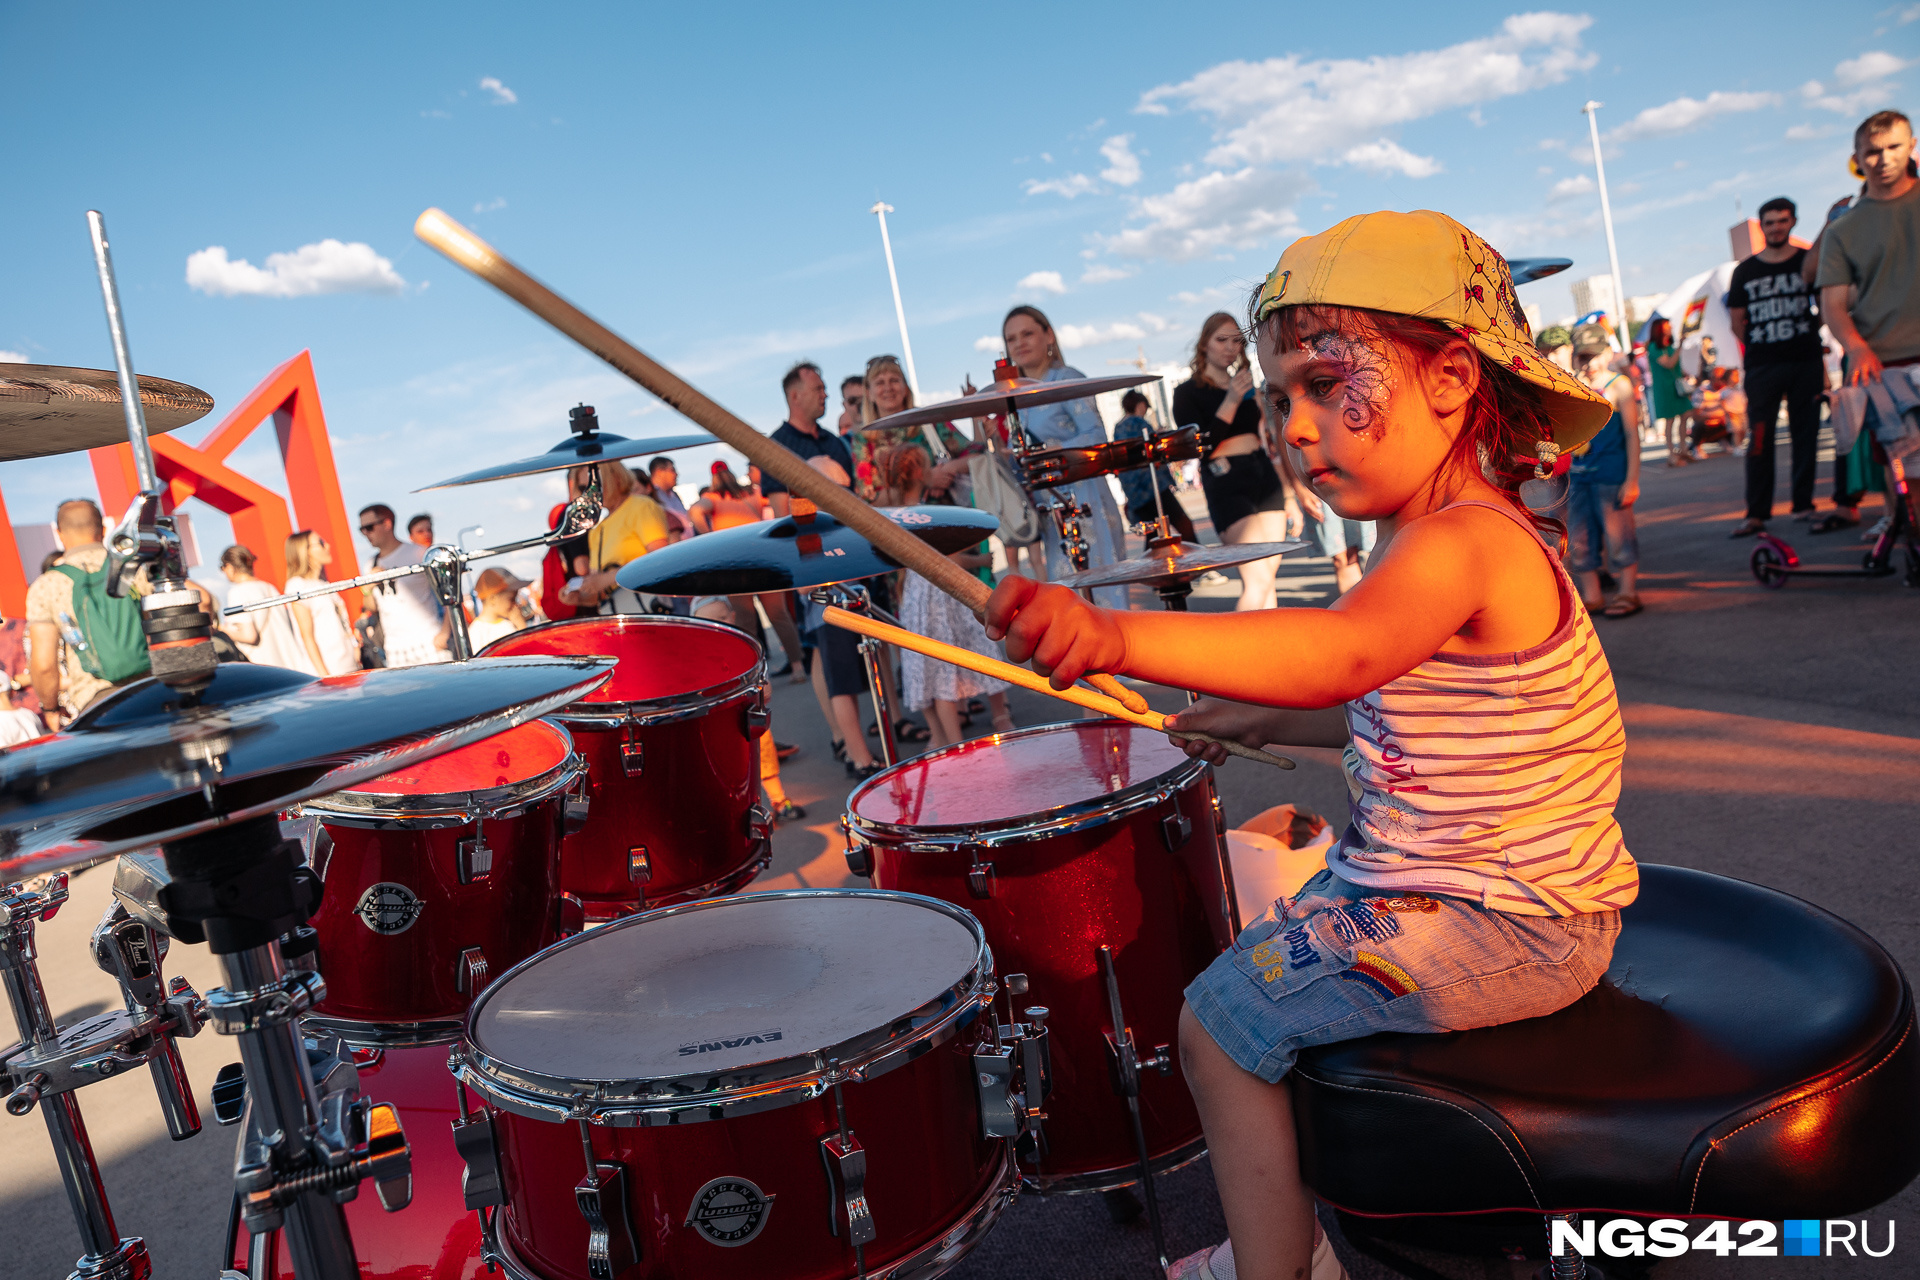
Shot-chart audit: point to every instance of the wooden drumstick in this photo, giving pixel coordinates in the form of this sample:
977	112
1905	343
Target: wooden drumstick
479	257
1031	680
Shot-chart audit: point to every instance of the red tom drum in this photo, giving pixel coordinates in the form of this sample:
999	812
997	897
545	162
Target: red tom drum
441	873
1064	839
671	742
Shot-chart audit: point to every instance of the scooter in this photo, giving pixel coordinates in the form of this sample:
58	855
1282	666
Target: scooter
1774	561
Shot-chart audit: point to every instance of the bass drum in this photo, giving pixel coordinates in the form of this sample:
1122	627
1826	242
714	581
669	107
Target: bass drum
774	1084
672	743
1062	840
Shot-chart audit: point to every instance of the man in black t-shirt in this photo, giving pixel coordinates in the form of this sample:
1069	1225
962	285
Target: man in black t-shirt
1773	313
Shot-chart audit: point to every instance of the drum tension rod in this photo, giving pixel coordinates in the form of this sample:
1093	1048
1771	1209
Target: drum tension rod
846	1162
602	1200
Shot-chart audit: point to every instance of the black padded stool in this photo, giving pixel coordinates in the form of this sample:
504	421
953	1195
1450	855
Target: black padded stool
1748	1055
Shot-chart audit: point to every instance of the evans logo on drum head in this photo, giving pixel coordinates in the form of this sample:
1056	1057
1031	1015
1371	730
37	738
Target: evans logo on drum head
729	1211
388	908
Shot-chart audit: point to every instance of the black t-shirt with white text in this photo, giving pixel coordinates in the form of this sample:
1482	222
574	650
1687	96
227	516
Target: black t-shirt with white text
1783	324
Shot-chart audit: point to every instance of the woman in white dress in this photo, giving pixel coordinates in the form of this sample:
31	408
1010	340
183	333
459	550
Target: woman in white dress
939	688
265	636
328	646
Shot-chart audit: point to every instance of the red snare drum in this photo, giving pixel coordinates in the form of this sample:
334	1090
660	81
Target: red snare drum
1063	839
436	1236
671	743
441	872
761	1081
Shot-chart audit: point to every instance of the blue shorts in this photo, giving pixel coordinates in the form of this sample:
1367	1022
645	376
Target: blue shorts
1338	962
1596	522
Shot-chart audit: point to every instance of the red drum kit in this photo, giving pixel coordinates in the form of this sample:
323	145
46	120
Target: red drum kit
512	914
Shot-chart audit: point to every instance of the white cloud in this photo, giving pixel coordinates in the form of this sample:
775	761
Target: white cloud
1565	189
1290	109
502	96
488	206
1868	67
1212	214
991	343
1074	184
1909	14
1808	132
437	114
326	267
1102	273
1390	157
1124	166
1213	293
1047	281
14	357
1682	114
1075	336
1158	324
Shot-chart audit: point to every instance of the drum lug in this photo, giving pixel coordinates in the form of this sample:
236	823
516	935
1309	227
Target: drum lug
846	1162
759	823
859	856
993	1081
474	1139
602	1198
639	864
980	877
470	973
1174	829
757	714
473	859
569	915
633	757
575	805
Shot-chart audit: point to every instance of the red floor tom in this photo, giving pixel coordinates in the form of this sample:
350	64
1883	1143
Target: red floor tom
671	742
442	873
772	1084
1063	839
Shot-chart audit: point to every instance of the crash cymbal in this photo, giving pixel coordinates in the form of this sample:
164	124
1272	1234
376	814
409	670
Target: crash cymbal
141	766
1177	562
1526	269
587	444
48	408
1015	396
793	555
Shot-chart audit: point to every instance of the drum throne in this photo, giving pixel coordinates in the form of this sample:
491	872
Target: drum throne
1748	1055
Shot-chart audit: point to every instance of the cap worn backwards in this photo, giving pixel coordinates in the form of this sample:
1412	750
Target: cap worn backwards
1427	265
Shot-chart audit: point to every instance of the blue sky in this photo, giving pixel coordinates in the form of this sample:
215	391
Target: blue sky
700	181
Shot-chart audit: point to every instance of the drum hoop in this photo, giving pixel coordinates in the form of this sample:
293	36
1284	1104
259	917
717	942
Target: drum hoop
1020	828
642	1102
363	1034
388	811
588	715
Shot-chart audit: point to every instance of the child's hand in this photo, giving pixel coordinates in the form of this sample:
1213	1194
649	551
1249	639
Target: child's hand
1064	635
1249	726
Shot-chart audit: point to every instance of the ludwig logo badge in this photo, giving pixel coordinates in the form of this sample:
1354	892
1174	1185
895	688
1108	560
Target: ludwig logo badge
388	908
729	1211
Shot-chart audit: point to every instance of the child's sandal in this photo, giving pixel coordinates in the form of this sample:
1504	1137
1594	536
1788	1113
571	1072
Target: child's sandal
1624	605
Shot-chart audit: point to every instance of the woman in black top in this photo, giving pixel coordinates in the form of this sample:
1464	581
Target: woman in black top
1244	495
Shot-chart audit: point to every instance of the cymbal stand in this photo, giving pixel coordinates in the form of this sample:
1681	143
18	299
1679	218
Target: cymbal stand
1126	1064
854	599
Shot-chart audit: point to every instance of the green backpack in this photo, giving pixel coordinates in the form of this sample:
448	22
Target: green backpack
116	647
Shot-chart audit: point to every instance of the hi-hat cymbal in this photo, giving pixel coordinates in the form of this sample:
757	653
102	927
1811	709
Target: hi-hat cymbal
577	451
1177	562
136	768
1527	269
48	408
790	555
1016	396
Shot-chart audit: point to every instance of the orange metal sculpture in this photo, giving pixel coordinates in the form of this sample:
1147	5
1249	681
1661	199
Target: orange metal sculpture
290	397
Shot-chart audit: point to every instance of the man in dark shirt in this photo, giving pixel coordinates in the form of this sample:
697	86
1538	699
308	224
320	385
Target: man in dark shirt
1773	314
839	676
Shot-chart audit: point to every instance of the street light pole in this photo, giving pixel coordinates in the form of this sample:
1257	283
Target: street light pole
899	312
1606	218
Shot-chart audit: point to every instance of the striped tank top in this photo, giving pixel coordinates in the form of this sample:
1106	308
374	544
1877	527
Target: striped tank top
1493	777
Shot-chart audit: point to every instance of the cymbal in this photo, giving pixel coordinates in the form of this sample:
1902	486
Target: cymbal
137	768
49	408
576	451
1016	396
1051	468
789	555
1177	562
1528	269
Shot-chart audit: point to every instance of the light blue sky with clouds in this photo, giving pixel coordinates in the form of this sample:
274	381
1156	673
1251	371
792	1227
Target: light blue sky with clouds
700	178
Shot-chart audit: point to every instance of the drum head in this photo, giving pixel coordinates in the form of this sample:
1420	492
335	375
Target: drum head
717	986
518	755
660	657
1018	776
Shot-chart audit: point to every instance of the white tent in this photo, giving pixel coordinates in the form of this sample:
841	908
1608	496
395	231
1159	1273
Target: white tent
1698	309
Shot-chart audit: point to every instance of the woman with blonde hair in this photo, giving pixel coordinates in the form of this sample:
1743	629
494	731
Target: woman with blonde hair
1245	498
634	525
326	645
888	393
1034	348
265	636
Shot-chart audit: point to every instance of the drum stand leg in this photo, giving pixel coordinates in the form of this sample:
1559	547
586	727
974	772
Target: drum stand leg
854	599
1126	1062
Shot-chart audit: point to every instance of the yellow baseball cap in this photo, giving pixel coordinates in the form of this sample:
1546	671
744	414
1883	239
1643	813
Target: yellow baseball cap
1427	265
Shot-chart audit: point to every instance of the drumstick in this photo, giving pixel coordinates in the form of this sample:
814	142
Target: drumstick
479	257
1031	680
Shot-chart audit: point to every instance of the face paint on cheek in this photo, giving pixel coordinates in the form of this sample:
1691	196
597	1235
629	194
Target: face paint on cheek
1366	377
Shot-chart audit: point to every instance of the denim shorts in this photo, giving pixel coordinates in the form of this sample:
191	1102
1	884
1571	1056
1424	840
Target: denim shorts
1338	962
1591	507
